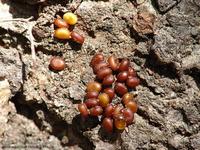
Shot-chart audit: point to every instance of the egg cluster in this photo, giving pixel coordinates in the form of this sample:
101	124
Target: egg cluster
63	32
115	77
63	28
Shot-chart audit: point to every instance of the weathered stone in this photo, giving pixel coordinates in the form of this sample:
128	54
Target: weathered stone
11	68
143	23
76	95
164	5
18	132
195	141
5	92
177	141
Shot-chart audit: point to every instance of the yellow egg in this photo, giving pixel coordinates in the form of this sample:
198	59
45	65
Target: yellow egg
62	33
120	122
70	18
103	99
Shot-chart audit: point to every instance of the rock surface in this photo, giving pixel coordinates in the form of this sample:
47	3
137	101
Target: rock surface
17	131
11	68
38	107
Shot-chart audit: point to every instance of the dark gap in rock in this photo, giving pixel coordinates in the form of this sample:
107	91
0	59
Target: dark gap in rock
33	2
74	45
138	38
24	8
145	84
146	116
179	131
58	15
155	4
139	54
51	123
81	124
151	40
48	52
135	3
195	73
185	118
15	39
162	12
91	34
109	137
23	70
62	2
163	69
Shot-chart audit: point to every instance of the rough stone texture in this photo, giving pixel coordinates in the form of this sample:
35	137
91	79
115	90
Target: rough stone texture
11	68
18	132
164	6
162	40
143	23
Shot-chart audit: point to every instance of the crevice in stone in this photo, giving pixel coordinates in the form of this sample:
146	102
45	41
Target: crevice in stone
185	119
47	52
154	64
138	38
146	116
140	54
15	39
194	72
145	84
163	69
156	6
51	123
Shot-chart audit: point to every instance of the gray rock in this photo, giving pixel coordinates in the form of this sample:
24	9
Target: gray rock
5	92
195	141
11	68
164	6
18	132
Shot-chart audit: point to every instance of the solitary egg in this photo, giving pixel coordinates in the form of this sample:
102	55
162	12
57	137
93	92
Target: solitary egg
57	64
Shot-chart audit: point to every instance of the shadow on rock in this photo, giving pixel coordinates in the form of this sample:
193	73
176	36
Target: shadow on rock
109	137
81	124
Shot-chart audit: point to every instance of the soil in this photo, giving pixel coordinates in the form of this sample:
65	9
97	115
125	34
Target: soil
38	107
